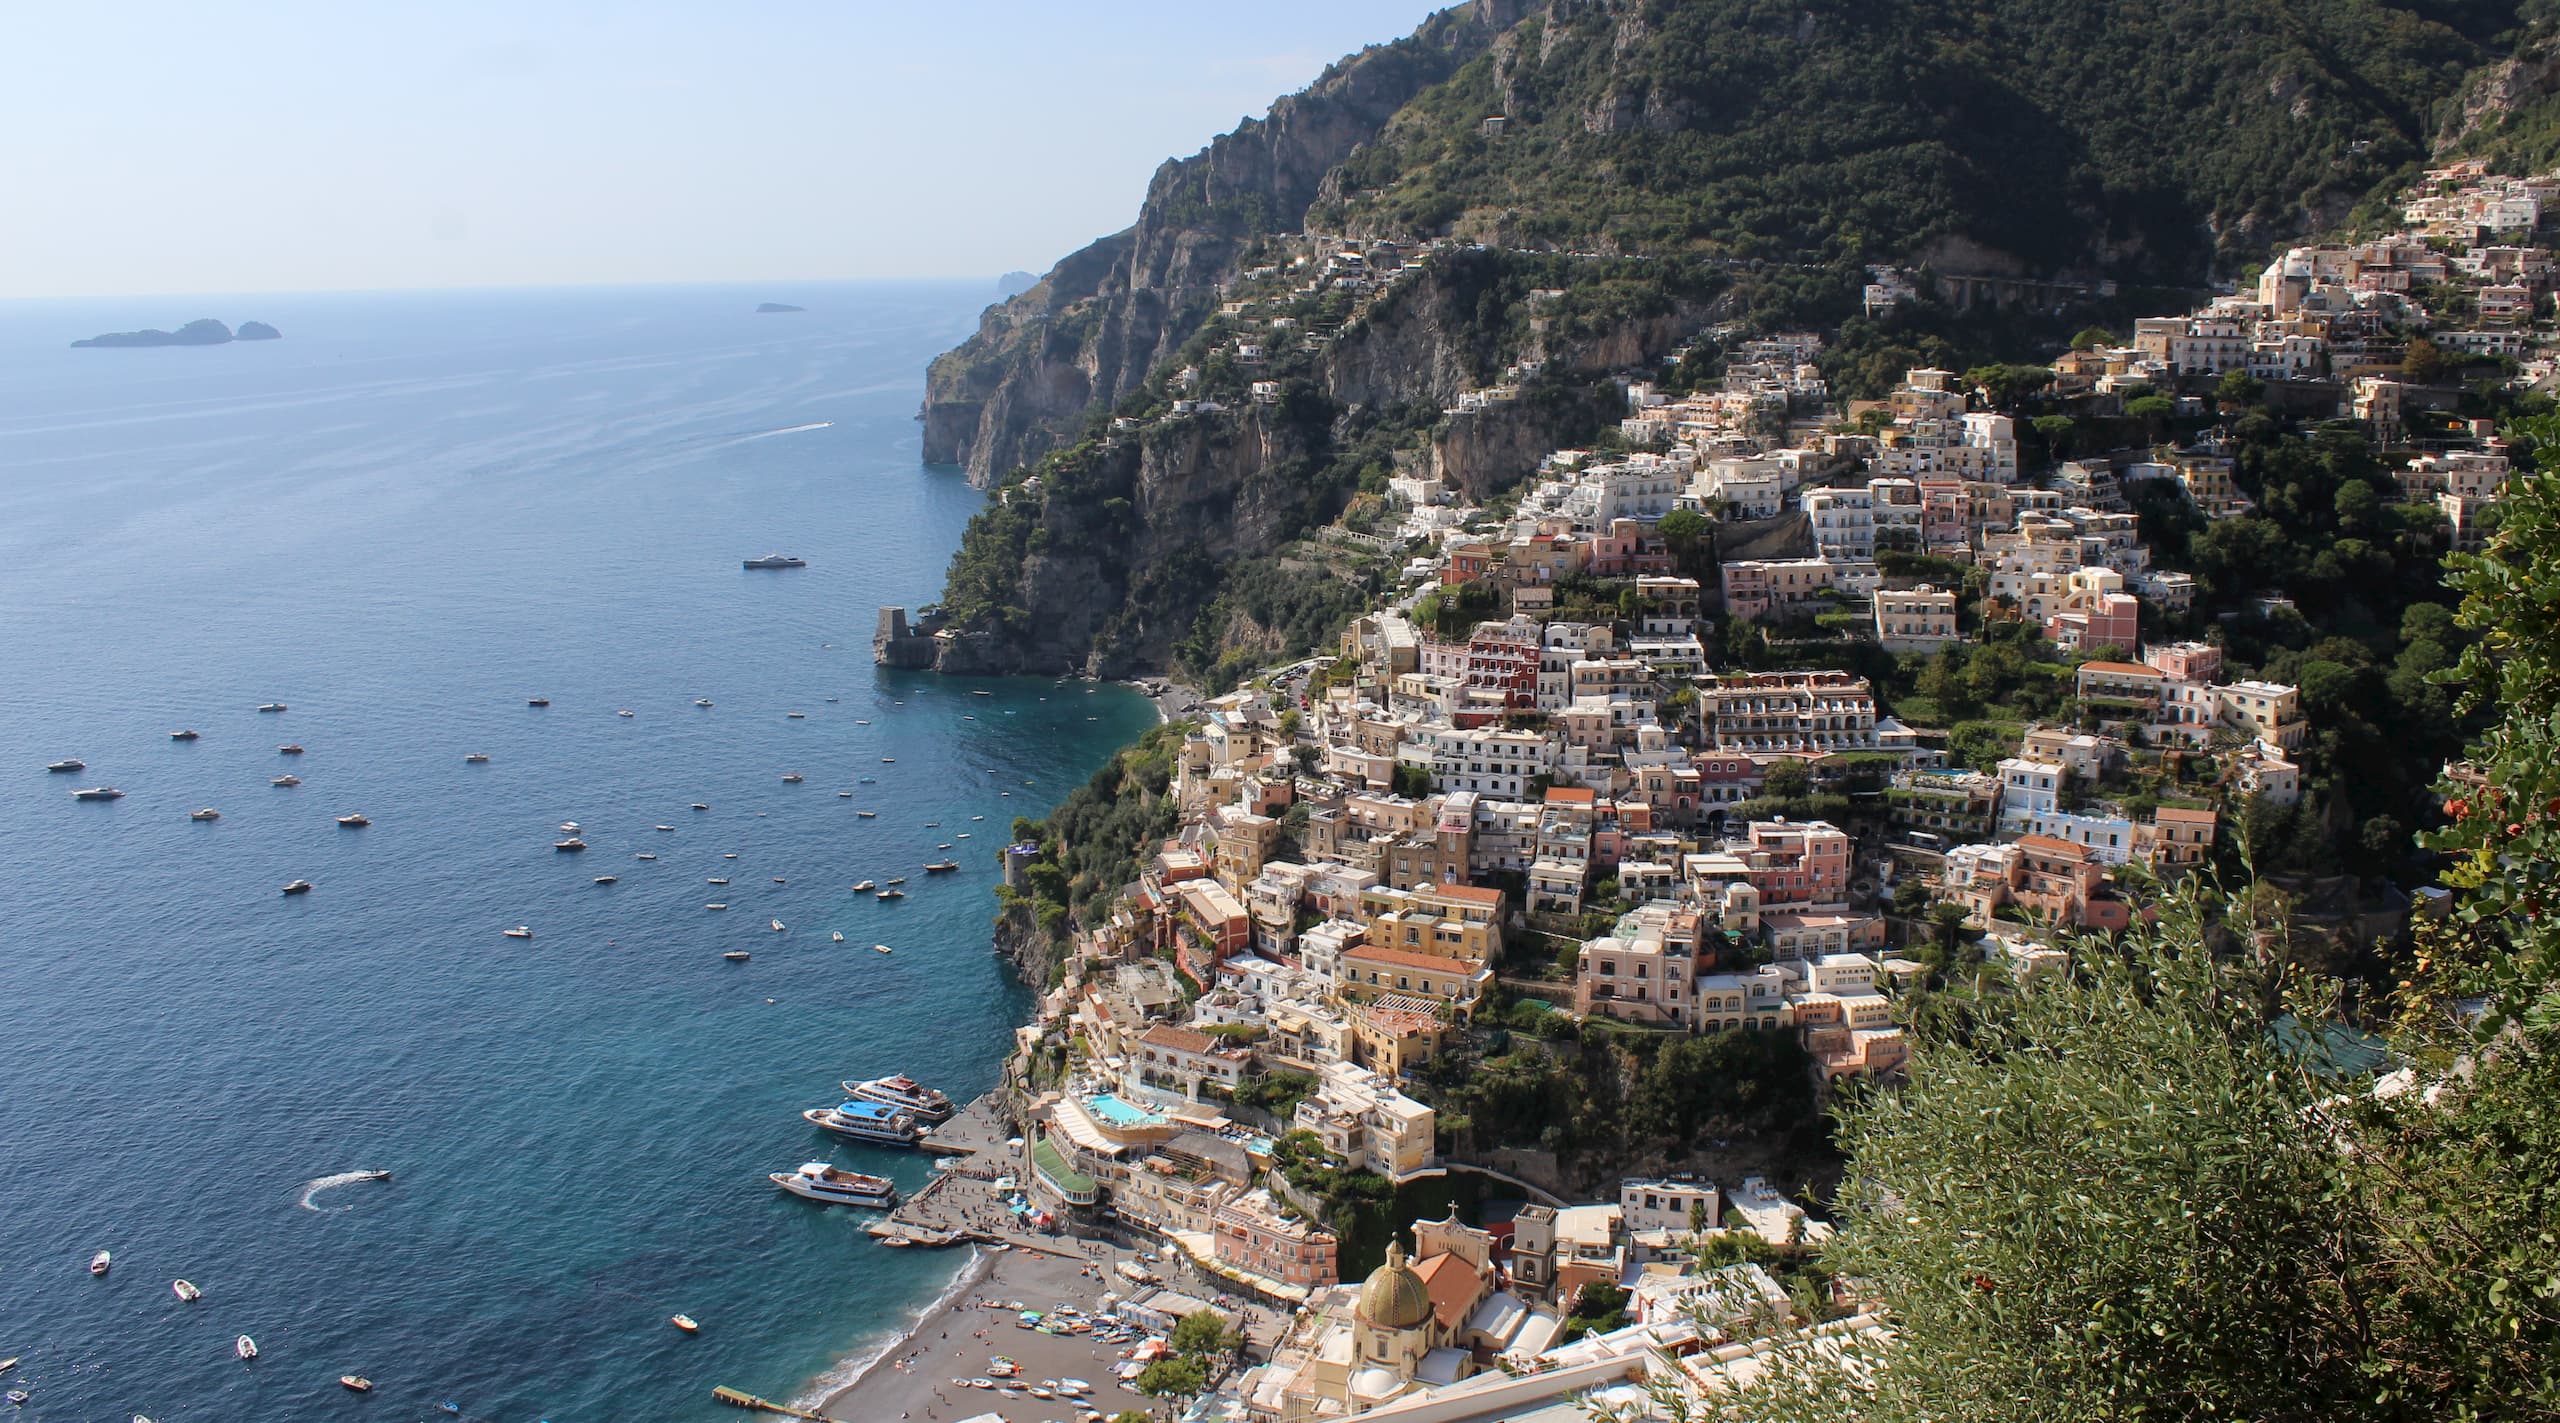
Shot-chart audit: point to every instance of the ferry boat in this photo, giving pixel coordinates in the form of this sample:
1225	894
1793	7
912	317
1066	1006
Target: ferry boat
906	1094
874	1122
98	793
72	763
777	560
271	706
572	844
185	1291
518	932
300	886
288	781
185	736
208	813
476	758
823	1182
356	821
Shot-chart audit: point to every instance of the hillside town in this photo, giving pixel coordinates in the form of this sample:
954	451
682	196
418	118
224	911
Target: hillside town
1606	755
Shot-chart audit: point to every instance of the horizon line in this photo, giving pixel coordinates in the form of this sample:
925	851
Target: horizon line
989	279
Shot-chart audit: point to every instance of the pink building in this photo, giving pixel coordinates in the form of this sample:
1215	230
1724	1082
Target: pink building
1798	863
1252	1234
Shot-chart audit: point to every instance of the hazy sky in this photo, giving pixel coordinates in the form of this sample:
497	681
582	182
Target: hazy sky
288	146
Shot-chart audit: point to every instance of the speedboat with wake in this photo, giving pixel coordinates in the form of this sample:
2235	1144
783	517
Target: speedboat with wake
822	1182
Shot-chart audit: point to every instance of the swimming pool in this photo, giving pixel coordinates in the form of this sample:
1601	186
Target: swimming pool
1111	1109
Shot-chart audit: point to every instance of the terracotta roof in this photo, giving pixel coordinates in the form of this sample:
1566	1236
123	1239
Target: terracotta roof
1570	795
1399	958
1470	893
2047	844
2191	817
1453	1285
1167	1035
2123	669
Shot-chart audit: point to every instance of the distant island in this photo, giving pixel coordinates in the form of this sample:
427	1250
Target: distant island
1013	284
207	332
771	307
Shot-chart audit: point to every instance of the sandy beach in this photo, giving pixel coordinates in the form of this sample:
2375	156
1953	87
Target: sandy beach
914	1379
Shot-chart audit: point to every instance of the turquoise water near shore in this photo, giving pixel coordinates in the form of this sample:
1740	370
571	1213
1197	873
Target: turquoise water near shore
403	520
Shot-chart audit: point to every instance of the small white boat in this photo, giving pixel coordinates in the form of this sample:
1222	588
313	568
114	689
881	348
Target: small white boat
865	887
792	778
245	1347
271	706
837	936
518	932
208	813
715	880
778	925
73	763
605	879
715	906
354	821
684	1322
644	855
286	781
356	1383
300	886
777	879
797	716
98	793
99	1262
569	827
844	795
667	828
476	758
702	701
737	956
185	1291
700	806
622	713
868	814
569	846
185	736
883	949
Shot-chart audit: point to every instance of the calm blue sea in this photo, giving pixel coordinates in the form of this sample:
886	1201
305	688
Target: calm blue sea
403	520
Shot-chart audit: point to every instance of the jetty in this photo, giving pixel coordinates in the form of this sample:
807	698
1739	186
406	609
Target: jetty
739	1398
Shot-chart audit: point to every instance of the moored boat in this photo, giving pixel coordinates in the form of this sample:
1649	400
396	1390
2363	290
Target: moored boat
300	886
823	1182
356	1383
208	813
69	763
941	867
891	894
684	1322
777	925
865	887
882	949
271	706
354	821
189	735
904	1093
877	1123
537	701
867	814
777	560
287	781
185	1291
475	758
604	879
98	793
290	748
101	1262
518	932
737	956
570	845
792	778
245	1347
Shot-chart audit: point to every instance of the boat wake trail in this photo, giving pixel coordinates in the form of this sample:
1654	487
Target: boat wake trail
785	430
331	1183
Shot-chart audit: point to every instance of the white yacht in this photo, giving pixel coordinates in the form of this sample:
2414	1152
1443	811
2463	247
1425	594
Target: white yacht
824	1182
875	1122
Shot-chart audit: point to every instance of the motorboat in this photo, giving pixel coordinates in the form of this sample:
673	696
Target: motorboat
963	835
837	936
882	949
71	763
700	806
537	701
644	855
823	1182
868	781
518	932
245	1347
625	712
777	560
98	793
777	879
796	716
185	1291
684	1322
355	1383
355	821
945	845
208	813
290	748
99	1263
900	880
669	829
186	736
844	795
570	845
287	781
942	867
476	758
867	814
300	886
715	880
865	887
8	1363
702	701
778	925
904	1093
715	906
792	778
981	693
977	817
606	879
728	854
569	827
891	894
384	1176
737	956
875	1122
888	760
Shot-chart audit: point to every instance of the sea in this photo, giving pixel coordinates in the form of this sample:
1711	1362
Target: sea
403	521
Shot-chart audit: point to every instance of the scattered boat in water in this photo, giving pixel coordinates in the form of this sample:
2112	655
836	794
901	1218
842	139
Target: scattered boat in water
208	813
100	1262
702	701
290	748
778	925
882	949
98	793
356	1383
868	814
185	1291
715	906
570	845
185	736
737	956
700	806
792	778
777	879
715	880
300	886
537	701
891	894
518	932
942	867
865	887
796	716
625	712
476	758
777	560
605	879
825	1183
71	763
354	821
271	706
644	855
286	781
684	1322
245	1347
667	828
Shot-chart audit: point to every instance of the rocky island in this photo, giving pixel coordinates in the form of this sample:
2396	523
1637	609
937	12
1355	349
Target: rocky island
206	332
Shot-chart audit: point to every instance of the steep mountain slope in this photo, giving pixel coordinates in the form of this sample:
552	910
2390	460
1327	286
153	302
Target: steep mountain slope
1745	158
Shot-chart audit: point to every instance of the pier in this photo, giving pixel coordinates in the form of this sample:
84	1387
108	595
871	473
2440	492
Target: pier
738	1398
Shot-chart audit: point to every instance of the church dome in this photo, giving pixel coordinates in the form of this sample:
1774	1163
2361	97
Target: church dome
1395	1297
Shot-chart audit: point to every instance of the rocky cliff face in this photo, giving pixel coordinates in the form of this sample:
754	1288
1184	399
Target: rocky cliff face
1090	331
